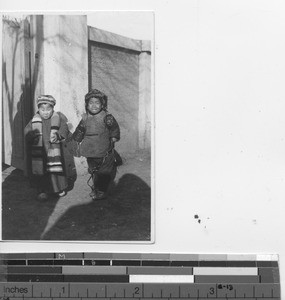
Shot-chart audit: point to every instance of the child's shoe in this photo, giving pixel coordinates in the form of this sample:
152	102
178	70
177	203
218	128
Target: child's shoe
93	195
101	195
62	194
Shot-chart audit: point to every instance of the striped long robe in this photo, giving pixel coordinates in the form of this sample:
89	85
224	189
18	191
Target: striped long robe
51	182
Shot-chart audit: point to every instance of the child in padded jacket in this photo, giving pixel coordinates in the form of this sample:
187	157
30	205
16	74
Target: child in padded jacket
100	131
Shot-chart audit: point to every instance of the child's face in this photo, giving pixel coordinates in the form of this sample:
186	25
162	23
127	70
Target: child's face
45	111
94	106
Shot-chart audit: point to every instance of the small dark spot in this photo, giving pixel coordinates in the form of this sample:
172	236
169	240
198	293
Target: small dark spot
199	221
196	217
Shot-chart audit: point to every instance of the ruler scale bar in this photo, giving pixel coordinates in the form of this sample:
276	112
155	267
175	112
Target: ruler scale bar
138	276
150	290
96	262
117	277
142	256
81	298
139	270
33	270
241	264
264	275
162	278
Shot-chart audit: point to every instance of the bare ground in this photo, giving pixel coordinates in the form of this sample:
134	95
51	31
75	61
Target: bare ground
123	216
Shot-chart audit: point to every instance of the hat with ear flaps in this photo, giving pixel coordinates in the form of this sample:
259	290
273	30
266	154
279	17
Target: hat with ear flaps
94	93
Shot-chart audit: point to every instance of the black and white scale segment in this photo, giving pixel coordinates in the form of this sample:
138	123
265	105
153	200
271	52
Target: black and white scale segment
49	276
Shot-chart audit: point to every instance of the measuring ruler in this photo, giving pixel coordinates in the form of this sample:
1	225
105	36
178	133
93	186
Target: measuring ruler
51	276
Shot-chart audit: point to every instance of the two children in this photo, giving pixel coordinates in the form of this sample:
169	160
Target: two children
96	135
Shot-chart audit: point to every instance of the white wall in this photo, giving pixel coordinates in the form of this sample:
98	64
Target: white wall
220	126
119	22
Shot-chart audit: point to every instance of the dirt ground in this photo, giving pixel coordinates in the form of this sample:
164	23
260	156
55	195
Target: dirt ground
123	216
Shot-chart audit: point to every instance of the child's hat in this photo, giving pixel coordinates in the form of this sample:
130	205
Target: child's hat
46	99
94	93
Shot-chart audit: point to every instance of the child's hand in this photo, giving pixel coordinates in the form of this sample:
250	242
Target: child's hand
114	140
32	137
109	119
53	136
36	140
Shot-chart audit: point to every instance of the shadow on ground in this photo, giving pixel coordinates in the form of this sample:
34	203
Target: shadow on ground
123	216
23	217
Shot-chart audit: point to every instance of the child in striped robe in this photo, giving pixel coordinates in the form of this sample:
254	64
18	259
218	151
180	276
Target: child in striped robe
43	135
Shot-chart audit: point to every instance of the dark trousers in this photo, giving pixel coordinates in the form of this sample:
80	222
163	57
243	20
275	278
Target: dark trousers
101	180
49	183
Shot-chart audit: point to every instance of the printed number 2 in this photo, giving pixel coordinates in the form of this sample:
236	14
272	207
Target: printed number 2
137	290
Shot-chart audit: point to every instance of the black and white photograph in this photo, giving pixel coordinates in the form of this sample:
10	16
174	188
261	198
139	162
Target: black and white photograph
77	126
153	127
